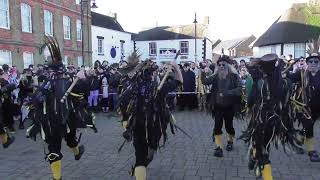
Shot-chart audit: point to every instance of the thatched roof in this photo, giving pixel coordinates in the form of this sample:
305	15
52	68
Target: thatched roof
298	24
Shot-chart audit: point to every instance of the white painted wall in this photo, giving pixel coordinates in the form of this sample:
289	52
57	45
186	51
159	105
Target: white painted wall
261	51
287	50
111	39
143	48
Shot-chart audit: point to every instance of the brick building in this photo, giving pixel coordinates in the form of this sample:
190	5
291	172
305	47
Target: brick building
23	24
236	48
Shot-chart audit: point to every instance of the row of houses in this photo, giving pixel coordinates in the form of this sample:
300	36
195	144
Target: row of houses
23	24
112	43
86	37
288	36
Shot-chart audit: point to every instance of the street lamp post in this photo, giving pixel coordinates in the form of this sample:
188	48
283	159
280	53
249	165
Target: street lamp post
195	37
94	6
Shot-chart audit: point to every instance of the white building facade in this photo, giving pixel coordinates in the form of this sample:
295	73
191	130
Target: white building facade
110	45
165	50
109	41
295	49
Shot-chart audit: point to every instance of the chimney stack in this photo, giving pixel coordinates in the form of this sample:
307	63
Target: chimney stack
115	16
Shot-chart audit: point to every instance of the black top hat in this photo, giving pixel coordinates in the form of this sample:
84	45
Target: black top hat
267	62
313	55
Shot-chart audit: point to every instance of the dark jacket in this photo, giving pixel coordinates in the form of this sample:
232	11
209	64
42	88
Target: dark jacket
230	88
189	81
114	80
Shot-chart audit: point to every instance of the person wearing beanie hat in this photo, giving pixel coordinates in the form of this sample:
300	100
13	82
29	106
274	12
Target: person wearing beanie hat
225	92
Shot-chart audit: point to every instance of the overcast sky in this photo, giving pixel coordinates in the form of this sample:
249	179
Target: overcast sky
228	18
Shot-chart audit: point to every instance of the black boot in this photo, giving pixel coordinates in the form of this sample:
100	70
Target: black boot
300	150
314	157
218	152
81	151
9	142
229	146
21	125
251	164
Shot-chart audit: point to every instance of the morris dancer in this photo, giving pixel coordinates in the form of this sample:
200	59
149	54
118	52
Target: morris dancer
55	119
147	113
225	93
306	101
268	105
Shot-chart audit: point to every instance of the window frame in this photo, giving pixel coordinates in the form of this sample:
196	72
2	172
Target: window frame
302	51
26	65
79	30
80	63
66	28
26	15
187	47
151	49
10	57
7	12
49	20
100	46
65	60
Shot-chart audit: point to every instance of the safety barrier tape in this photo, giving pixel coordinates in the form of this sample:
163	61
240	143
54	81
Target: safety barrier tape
171	93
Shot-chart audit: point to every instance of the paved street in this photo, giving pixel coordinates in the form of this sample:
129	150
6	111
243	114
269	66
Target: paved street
182	158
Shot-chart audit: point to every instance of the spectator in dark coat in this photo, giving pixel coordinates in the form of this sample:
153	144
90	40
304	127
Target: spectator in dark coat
114	82
189	85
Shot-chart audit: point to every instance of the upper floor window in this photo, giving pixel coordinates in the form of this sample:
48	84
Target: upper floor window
5	57
79	31
67	27
4	14
100	46
184	47
152	49
122	50
26	18
48	23
78	1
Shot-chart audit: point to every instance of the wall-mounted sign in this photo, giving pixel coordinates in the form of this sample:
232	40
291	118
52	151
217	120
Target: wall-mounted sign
167	53
183	57
113	52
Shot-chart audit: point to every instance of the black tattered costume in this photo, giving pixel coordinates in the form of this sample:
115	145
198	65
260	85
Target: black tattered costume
5	91
305	101
270	123
55	119
146	114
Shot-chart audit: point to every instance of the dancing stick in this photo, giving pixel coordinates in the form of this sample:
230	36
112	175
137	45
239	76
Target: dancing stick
167	73
66	94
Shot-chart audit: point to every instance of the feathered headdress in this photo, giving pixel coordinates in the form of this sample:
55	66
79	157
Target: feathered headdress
132	62
54	49
313	46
